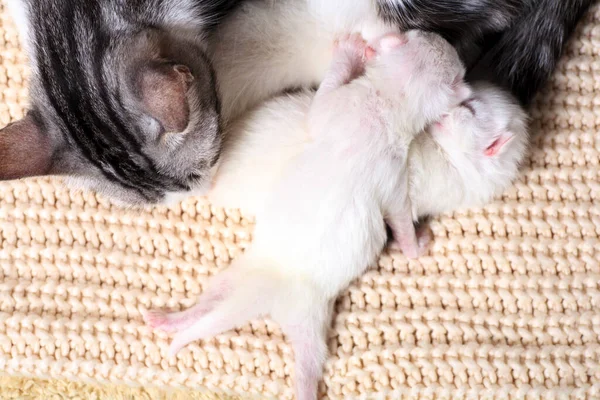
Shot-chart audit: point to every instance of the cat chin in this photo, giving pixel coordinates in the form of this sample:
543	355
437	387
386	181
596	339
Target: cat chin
200	190
114	194
127	199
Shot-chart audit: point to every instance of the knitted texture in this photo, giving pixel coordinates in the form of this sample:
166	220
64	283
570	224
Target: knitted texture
507	303
17	388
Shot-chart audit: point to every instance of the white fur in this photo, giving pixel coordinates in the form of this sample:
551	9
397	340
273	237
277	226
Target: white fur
266	47
321	194
474	178
333	197
438	183
322	223
257	148
181	13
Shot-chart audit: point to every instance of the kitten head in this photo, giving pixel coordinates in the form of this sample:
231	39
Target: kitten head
419	70
485	139
131	111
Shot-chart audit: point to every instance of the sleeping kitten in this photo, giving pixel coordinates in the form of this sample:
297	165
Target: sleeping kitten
322	223
123	97
467	158
333	196
266	47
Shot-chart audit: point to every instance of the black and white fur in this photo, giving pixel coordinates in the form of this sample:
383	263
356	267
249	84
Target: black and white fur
517	42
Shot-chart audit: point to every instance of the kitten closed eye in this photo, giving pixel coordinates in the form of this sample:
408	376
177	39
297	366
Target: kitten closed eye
468	104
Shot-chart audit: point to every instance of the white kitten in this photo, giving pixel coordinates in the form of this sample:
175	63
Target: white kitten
452	167
257	147
332	198
471	156
266	47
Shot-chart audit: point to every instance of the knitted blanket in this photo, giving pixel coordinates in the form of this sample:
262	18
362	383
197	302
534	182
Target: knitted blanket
507	303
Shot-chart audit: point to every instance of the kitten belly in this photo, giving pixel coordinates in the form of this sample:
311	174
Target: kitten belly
323	221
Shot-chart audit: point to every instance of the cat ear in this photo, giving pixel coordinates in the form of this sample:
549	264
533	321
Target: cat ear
164	94
24	150
496	146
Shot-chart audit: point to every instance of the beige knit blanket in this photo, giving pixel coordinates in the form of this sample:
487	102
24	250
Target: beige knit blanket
506	304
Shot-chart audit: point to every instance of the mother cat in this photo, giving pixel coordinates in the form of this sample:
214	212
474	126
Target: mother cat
124	97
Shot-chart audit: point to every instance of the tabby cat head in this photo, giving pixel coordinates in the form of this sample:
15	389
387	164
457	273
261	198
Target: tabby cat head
123	106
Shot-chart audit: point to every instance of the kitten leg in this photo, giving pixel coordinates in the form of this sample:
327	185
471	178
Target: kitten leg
233	297
404	237
399	218
175	321
307	333
237	308
223	318
348	62
241	294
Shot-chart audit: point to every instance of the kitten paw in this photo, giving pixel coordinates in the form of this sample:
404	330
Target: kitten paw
159	320
410	247
424	238
409	250
351	45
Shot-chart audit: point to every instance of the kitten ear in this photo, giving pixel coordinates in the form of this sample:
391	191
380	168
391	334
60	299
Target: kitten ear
461	89
163	88
496	146
24	150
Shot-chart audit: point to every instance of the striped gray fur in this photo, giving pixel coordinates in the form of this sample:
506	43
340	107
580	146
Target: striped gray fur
89	60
